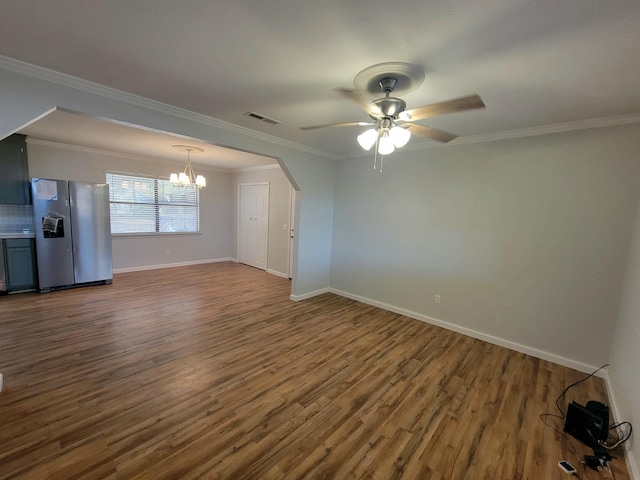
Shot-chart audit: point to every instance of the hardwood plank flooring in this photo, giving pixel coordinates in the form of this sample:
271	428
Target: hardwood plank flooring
211	372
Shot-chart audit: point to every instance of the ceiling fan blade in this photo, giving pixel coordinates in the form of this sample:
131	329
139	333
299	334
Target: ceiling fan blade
432	133
360	98
470	102
343	124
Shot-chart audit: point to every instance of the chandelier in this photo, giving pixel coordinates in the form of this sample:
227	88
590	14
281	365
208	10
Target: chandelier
188	177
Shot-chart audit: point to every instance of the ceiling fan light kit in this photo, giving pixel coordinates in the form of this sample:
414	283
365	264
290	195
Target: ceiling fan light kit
188	176
386	111
368	138
388	138
385	145
400	136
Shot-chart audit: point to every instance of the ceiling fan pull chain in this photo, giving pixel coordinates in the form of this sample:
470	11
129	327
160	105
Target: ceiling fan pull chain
375	154
381	162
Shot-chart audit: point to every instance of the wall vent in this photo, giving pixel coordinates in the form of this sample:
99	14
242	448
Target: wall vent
263	118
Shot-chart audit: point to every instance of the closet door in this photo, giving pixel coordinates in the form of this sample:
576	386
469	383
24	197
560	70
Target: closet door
253	224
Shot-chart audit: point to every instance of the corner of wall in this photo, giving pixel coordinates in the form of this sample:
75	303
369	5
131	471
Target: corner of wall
632	466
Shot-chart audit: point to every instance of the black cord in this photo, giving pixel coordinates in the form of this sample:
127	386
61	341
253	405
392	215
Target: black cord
564	392
544	415
617	440
563	416
573	449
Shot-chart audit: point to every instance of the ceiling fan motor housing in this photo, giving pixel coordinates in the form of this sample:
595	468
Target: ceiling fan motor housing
391	107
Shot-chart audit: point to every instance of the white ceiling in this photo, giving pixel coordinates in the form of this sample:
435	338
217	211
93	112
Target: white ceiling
534	63
74	129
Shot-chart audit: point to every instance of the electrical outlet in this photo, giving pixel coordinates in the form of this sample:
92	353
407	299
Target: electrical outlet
436	299
0	382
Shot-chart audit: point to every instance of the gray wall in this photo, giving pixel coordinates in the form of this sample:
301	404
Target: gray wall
625	349
27	93
279	201
89	165
525	240
217	239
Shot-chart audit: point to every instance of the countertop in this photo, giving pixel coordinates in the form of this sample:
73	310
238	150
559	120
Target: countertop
22	234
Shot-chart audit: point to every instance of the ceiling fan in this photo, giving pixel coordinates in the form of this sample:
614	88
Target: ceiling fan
391	121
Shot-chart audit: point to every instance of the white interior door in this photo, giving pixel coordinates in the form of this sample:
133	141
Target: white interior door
253	224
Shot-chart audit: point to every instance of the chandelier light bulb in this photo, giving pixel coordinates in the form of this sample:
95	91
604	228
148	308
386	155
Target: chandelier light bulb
368	138
385	146
174	178
400	136
201	181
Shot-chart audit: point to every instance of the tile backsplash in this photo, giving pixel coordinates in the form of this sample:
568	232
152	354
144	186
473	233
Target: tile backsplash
16	218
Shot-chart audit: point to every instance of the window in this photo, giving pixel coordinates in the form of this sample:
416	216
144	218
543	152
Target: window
151	205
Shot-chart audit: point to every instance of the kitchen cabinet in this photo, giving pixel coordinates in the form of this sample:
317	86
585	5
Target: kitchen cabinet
20	264
14	171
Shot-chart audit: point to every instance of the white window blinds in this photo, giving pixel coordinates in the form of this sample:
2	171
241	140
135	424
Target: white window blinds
151	205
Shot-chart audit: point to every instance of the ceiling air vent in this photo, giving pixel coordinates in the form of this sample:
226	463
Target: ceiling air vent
262	118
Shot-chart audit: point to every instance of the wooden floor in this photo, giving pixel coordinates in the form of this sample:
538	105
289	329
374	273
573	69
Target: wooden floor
211	371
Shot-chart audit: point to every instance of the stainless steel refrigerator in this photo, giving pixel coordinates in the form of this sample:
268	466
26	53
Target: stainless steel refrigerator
73	233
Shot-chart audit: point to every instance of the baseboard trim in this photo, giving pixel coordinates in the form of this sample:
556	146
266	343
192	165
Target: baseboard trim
276	273
305	296
171	265
632	466
268	270
518	347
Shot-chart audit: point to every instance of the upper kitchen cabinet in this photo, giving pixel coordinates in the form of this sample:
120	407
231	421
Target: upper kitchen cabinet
14	171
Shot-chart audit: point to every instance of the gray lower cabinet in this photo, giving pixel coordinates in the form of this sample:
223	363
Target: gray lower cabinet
20	264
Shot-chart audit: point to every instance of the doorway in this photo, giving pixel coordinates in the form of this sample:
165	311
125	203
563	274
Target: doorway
253	222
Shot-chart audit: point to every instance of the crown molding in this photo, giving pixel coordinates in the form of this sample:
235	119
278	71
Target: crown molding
23	68
600	122
113	153
76	83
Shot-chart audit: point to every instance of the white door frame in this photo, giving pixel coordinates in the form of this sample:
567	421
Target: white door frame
293	195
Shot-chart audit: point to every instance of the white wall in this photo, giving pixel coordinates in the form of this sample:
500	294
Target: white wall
525	240
625	351
279	201
90	165
28	92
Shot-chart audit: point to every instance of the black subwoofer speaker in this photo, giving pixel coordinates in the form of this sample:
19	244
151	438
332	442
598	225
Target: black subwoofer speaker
588	425
602	411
